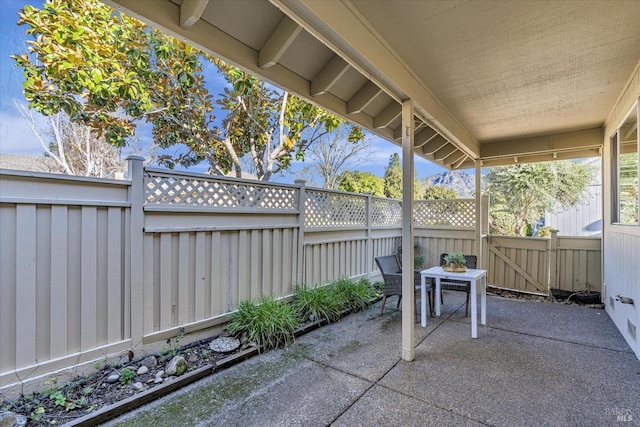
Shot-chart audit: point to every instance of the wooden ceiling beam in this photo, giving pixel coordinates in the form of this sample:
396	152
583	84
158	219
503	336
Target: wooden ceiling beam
365	96
542	157
444	152
566	141
191	11
339	25
434	145
387	116
423	137
456	158
329	75
278	42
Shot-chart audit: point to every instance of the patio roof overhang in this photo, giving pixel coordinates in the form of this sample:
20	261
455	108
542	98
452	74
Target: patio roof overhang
497	81
461	83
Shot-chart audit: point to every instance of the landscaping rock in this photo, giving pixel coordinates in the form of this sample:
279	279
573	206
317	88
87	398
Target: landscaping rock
11	419
112	378
160	373
158	380
176	366
149	362
142	370
7	419
138	386
224	344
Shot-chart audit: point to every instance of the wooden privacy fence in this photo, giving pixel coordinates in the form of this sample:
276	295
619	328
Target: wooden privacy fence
94	267
64	272
537	265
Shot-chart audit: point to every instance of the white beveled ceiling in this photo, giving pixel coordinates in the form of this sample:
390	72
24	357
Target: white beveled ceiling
497	80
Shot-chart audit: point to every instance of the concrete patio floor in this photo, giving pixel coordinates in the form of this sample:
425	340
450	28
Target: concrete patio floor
534	364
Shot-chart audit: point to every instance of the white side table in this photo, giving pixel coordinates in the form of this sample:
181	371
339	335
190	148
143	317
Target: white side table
476	277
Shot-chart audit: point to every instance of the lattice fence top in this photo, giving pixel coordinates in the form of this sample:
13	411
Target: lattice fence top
450	213
386	213
211	192
334	210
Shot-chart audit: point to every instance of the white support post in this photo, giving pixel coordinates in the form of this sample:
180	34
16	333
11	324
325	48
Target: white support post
479	218
408	294
136	250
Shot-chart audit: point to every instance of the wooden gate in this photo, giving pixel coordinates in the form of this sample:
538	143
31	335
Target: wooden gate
519	263
536	265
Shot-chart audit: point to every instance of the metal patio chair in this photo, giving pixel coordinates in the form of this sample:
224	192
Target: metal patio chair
392	275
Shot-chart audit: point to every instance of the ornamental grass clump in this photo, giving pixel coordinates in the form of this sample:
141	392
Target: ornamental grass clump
355	296
268	323
316	304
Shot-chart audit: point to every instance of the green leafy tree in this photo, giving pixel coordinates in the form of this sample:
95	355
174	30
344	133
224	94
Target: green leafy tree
271	126
629	188
107	71
393	178
362	182
521	194
434	192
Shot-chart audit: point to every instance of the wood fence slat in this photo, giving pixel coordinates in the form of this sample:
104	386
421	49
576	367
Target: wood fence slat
88	279
166	278
277	270
286	263
59	278
150	304
267	263
540	287
114	275
200	276
240	264
26	241
219	298
184	266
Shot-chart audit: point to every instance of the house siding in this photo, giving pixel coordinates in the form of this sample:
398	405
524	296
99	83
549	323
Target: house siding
621	243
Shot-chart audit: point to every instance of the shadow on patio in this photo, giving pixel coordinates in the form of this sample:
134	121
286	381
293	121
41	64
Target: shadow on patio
535	363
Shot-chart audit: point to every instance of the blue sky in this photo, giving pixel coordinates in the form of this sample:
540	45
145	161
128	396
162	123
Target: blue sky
16	136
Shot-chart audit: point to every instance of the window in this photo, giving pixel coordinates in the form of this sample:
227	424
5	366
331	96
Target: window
624	146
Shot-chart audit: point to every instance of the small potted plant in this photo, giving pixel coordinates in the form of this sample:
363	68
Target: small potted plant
585	295
455	262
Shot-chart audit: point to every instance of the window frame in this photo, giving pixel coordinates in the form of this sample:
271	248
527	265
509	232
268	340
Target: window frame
616	152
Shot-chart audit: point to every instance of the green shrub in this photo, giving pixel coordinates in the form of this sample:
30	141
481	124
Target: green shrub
268	323
316	304
355	296
126	376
